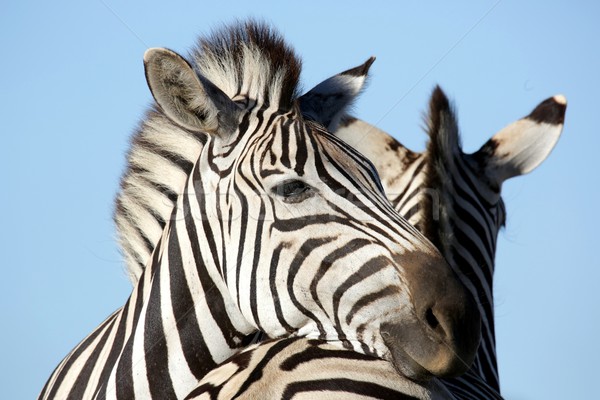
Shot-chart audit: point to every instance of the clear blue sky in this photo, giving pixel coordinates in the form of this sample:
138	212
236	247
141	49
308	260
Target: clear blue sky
72	89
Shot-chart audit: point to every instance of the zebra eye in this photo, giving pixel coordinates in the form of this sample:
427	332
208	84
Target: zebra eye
293	191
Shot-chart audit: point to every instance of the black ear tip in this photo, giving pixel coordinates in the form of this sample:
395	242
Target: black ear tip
550	111
369	62
362	69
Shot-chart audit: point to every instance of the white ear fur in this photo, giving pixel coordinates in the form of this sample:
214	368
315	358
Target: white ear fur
521	146
328	102
187	99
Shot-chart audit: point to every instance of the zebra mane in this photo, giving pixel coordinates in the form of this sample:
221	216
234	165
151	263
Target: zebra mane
159	160
443	147
250	59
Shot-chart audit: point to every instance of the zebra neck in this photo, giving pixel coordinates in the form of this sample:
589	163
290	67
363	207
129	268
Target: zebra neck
164	339
465	231
185	322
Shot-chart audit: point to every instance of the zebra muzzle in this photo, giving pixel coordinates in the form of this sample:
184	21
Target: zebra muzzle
442	337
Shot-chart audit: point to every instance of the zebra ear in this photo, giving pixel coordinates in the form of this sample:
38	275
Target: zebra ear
521	146
186	98
327	102
387	154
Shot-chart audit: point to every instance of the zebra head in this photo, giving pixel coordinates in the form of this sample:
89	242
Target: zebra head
293	223
454	198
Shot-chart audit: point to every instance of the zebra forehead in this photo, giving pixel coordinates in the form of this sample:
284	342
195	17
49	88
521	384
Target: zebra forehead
294	143
250	59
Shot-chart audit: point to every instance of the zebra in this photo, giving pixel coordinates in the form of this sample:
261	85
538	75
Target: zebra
280	228
283	367
455	198
410	178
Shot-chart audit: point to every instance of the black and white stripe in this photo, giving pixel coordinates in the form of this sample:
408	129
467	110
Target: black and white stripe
279	227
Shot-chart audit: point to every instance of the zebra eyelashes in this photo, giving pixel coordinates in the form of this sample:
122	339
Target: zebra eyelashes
293	190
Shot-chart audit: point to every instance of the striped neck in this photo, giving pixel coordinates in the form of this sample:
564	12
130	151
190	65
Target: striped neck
463	218
185	320
443	196
440	192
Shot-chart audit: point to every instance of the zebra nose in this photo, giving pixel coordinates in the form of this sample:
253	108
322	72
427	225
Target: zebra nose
443	338
452	320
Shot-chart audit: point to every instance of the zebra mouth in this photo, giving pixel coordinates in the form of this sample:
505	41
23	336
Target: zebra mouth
403	363
420	354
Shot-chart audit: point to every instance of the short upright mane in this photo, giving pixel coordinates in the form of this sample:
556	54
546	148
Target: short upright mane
252	60
442	147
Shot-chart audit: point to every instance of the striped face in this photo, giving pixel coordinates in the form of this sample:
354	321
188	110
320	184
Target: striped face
296	224
282	368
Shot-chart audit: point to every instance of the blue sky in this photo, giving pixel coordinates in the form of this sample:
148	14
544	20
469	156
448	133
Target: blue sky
72	89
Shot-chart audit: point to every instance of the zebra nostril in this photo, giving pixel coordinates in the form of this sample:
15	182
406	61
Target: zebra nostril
431	319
